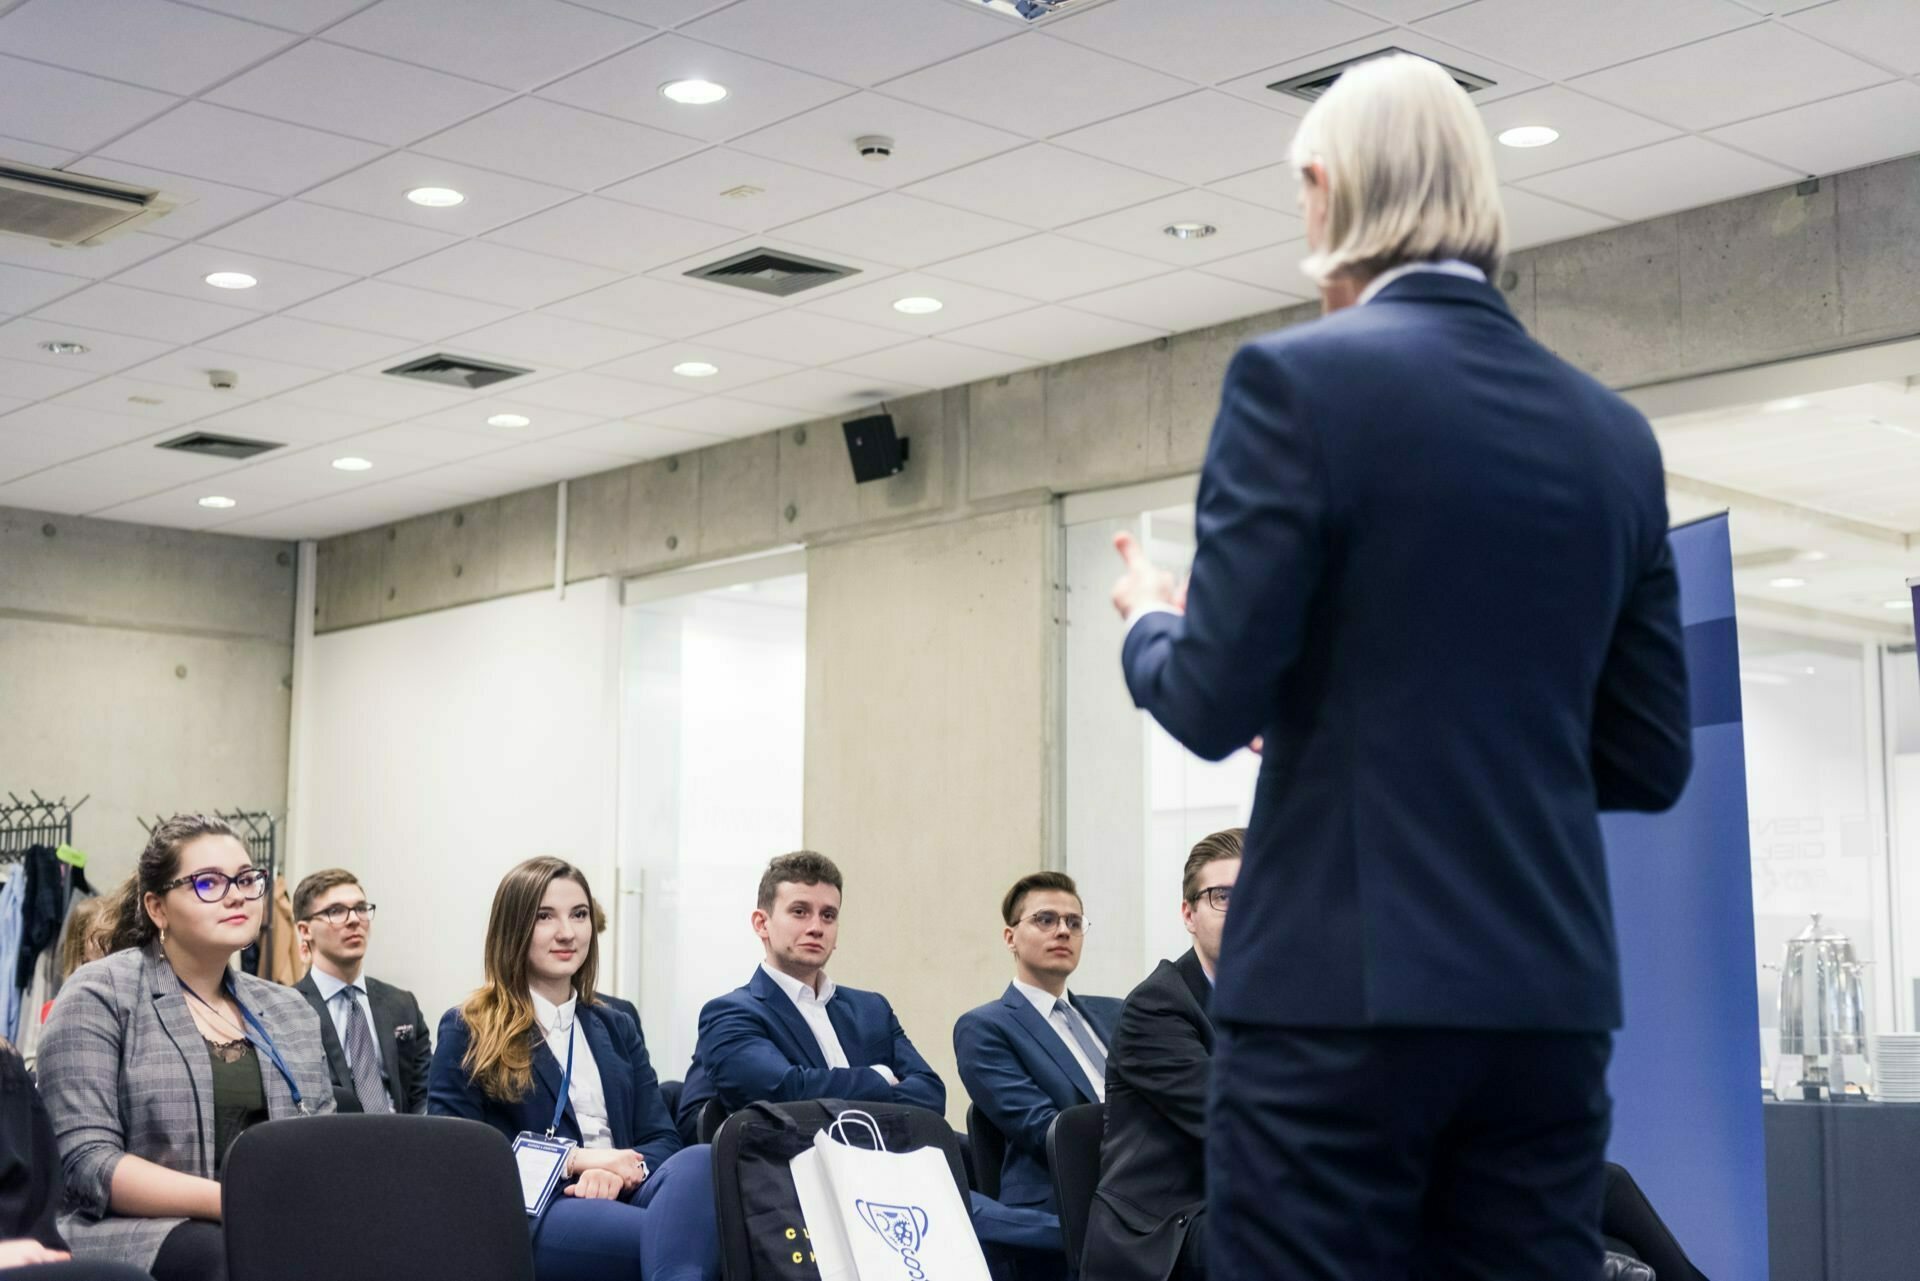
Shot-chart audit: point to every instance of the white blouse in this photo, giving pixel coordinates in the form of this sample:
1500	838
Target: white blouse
586	1093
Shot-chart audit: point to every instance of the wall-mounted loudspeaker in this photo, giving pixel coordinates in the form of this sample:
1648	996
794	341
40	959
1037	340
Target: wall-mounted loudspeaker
876	450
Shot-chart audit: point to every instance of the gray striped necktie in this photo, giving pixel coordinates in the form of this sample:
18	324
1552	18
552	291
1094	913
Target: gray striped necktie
361	1058
1078	1026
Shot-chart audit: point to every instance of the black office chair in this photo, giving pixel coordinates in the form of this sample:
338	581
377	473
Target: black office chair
1073	1158
670	1092
429	1198
713	1114
988	1150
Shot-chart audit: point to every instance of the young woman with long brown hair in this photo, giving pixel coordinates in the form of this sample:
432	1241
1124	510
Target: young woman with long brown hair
634	1206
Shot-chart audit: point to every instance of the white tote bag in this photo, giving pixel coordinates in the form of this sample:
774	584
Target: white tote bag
875	1215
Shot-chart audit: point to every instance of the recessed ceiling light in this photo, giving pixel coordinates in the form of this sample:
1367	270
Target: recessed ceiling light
436	197
1189	230
1529	136
217	501
695	369
918	306
1895	604
231	280
1810	556
1786	582
693	93
509	420
59	348
1786	406
352	464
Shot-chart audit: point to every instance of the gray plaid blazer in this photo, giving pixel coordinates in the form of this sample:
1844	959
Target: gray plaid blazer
124	1070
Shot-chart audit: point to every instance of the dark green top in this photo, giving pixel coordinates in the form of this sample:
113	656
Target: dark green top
239	1097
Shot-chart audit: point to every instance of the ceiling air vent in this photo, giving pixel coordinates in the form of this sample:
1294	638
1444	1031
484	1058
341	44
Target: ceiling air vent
1310	85
457	371
767	272
208	445
67	209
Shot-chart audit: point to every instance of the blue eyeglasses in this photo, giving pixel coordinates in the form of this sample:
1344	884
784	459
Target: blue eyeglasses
211	887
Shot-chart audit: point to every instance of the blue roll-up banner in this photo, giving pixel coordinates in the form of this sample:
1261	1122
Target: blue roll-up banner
1686	1065
1913	585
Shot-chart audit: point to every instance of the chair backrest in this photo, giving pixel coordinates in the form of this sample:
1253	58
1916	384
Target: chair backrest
772	1134
421	1197
989	1150
713	1114
1073	1158
670	1094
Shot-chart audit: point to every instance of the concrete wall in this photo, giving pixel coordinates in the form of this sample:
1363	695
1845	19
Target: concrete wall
149	668
929	742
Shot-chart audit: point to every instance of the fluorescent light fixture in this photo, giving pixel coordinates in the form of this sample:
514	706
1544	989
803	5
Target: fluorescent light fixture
1529	136
509	420
218	502
436	197
1810	557
59	348
695	369
231	280
1895	604
1762	678
1189	230
1787	406
351	464
917	306
1786	582
693	93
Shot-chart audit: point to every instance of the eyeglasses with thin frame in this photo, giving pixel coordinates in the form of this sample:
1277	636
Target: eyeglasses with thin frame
338	913
1215	897
211	887
1048	922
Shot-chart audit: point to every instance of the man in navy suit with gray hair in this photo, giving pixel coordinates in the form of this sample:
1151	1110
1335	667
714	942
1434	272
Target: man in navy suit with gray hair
1432	575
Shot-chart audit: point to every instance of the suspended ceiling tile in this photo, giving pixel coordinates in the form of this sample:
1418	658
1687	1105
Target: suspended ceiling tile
65	109
1199	138
863	42
183	272
381	308
934	363
826	391
719	416
328	347
1272	186
806	339
22	378
144	42
556	144
637	441
1507	80
1750	72
1047	268
421	441
1035	85
1141	230
470	419
20	151
758	93
492	199
499	274
518	44
538	338
283	421
1055	334
334	239
607	233
1050	186
162	405
960	303
598	394
1536	220
766	192
647	306
239	149
201	204
1588	128
1183	300
1683	173
1564	38
144	314
21	339
655	368
94	261
292	15
1885	30
381	399
1838	134
23	288
187	369
324	86
926	142
902	231
1213	40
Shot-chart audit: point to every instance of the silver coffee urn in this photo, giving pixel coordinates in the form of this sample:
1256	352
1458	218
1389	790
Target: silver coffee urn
1823	1023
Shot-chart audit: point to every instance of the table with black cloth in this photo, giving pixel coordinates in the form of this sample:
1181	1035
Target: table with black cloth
1843	1191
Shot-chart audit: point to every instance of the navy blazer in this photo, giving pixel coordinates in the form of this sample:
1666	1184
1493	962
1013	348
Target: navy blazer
1432	571
1021	1075
754	1046
636	1113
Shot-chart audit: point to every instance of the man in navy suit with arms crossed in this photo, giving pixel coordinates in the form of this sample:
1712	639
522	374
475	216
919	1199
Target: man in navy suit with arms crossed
1432	574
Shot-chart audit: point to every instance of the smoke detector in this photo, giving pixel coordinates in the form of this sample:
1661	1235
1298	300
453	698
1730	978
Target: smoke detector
874	147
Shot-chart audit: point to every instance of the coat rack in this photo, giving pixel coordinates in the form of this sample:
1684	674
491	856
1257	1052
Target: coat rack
25	824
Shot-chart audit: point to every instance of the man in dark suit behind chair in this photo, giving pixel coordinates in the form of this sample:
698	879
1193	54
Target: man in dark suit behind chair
1148	1217
1431	571
1038	1049
378	1047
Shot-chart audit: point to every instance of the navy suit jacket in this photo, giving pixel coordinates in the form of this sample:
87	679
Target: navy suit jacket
754	1046
636	1113
1021	1075
1432	571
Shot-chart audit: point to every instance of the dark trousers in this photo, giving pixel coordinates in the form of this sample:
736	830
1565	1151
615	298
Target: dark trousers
1391	1154
667	1232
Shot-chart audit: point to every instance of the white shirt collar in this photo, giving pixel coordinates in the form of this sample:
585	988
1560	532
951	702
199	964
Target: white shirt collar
331	986
553	1016
1041	999
1446	267
799	990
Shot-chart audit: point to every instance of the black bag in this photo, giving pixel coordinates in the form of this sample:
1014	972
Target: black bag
762	1234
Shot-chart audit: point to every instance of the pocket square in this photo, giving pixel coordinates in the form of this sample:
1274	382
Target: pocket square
405	1031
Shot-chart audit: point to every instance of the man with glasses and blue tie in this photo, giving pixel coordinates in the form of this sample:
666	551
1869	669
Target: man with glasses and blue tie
1039	1049
378	1047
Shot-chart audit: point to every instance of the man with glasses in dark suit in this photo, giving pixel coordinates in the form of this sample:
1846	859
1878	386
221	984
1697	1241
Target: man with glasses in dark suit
378	1046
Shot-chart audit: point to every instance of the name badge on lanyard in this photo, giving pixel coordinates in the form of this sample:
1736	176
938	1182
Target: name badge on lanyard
542	1158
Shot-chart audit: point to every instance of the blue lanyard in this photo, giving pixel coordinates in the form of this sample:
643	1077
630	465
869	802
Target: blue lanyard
566	1080
265	1042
